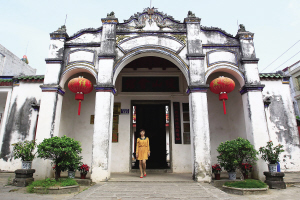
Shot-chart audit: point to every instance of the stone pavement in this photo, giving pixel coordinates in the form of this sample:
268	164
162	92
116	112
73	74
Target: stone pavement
155	186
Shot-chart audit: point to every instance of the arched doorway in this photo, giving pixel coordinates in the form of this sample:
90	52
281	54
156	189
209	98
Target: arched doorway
80	127
229	126
148	86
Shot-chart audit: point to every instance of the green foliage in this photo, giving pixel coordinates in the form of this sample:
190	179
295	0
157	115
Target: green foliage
49	183
271	154
63	151
248	183
233	153
24	150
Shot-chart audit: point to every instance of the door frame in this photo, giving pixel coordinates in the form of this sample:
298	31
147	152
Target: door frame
157	102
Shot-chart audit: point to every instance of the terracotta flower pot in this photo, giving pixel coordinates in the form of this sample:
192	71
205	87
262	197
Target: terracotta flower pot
217	176
82	176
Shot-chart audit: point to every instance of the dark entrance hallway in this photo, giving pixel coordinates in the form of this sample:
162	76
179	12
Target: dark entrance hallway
152	118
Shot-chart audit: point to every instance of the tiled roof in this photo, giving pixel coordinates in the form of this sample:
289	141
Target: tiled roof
33	77
270	75
5	80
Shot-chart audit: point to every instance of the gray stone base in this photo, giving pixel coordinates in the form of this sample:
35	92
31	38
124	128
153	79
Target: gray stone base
275	180
23	177
83	182
244	191
57	190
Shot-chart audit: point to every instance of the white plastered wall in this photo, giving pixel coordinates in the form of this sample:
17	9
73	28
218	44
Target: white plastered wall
229	126
19	95
79	126
282	123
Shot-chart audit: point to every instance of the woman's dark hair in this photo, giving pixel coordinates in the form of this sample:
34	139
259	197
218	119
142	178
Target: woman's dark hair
142	130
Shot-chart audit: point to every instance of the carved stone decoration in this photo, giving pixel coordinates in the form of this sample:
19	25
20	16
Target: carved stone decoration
111	15
191	14
63	29
153	18
242	28
120	38
181	37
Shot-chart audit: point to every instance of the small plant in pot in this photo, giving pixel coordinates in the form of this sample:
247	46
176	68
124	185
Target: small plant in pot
72	165
234	153
246	168
63	151
271	155
84	169
24	150
216	169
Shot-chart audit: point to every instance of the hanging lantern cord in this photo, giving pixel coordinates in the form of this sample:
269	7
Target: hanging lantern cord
224	107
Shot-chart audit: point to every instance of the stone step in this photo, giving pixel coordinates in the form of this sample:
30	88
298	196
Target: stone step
152	171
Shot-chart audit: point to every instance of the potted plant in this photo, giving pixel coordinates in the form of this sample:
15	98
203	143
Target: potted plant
61	150
24	150
246	168
84	169
72	164
216	169
271	155
235	152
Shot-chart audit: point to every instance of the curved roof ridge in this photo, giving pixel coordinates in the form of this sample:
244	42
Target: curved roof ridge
83	31
206	28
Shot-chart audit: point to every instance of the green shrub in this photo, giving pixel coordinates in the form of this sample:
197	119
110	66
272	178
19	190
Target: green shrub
24	150
271	154
48	182
235	152
248	183
63	151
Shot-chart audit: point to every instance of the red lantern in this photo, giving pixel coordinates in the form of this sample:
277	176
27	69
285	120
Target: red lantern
222	86
80	86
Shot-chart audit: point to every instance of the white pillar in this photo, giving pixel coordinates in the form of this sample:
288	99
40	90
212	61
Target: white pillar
100	169
256	126
48	126
200	135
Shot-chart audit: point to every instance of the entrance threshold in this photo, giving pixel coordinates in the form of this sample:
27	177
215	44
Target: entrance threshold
151	177
152	171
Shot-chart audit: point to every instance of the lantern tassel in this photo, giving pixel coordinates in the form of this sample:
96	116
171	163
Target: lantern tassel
79	107
224	107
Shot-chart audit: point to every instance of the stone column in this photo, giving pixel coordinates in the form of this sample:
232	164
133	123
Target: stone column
200	135
100	169
255	120
199	125
51	100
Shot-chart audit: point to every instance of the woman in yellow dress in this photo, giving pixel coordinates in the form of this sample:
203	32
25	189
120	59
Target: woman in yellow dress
142	152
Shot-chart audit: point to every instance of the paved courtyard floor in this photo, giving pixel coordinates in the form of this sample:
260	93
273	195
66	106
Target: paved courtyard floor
155	186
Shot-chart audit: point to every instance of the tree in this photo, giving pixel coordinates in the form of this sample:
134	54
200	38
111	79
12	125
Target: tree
235	152
63	151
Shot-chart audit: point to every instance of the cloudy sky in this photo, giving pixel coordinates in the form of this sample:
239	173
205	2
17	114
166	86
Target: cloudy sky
276	23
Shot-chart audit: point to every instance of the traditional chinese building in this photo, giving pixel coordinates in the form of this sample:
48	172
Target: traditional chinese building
152	72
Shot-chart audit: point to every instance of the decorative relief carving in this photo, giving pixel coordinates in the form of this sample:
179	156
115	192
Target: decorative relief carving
150	16
121	37
181	37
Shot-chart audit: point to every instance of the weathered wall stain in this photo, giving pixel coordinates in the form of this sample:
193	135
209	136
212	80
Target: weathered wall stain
280	119
19	122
